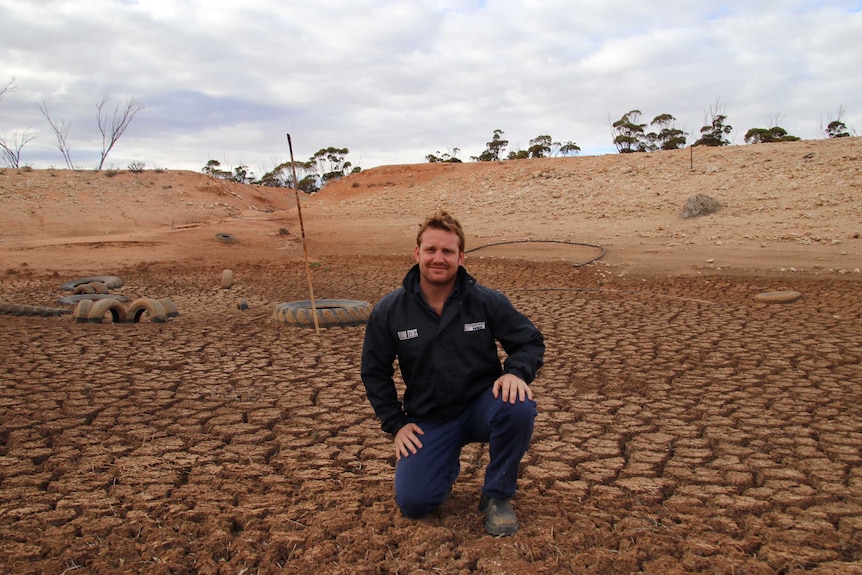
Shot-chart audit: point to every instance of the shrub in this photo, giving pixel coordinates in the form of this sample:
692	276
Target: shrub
136	167
700	205
768	135
837	129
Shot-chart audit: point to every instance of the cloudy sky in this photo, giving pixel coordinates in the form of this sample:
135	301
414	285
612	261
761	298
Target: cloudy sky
395	80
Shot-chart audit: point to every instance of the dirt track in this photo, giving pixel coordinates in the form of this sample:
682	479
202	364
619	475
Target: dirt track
683	428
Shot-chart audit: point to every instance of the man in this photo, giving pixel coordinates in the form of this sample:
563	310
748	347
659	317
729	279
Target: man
442	327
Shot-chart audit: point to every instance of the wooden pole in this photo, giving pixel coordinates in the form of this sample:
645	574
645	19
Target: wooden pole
304	246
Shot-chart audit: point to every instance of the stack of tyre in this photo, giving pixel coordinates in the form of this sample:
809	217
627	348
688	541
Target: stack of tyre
94	303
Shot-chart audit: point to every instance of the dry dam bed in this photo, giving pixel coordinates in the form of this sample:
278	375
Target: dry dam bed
683	428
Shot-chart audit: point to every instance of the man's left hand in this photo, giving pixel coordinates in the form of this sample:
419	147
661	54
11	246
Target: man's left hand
511	388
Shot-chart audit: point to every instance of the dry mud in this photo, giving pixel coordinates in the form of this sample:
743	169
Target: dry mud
684	428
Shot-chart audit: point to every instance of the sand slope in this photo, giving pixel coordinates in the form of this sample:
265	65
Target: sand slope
784	206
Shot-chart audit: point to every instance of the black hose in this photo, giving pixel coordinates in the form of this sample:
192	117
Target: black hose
577	265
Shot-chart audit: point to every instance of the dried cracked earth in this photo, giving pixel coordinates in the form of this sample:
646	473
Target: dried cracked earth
684	428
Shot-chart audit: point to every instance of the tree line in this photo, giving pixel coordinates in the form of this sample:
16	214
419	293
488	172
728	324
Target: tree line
325	166
542	146
632	135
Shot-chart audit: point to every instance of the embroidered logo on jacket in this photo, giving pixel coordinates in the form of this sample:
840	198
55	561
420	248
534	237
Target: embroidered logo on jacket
408	334
479	325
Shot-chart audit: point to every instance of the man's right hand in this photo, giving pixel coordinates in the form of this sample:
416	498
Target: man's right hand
407	441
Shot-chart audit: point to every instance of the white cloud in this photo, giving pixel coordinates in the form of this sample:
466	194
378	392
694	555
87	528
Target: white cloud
394	80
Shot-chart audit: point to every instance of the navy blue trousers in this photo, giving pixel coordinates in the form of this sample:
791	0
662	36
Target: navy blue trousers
422	480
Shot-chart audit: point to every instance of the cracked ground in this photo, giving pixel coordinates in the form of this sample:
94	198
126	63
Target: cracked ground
683	428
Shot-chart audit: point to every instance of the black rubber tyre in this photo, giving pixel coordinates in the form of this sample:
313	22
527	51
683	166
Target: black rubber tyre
103	306
30	310
154	309
75	298
111	282
224	238
84	289
170	308
241	304
99	287
82	311
10	309
226	279
330	312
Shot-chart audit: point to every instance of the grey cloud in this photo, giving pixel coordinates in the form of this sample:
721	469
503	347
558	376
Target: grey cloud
395	80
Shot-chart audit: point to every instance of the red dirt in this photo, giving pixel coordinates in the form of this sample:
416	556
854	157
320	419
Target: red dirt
684	427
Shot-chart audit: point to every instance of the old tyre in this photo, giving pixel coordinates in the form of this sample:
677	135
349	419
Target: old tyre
84	289
242	304
82	311
146	305
111	282
75	298
226	279
99	287
330	312
778	296
104	306
224	238
10	309
170	308
30	310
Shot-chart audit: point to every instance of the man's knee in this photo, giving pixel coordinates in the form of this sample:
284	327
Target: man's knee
417	500
520	414
415	506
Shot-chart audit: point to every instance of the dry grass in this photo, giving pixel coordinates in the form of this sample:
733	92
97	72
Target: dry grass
700	205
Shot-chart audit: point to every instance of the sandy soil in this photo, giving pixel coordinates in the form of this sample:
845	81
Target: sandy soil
793	207
684	427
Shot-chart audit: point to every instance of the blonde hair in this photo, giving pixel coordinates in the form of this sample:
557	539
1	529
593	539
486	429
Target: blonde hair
442	220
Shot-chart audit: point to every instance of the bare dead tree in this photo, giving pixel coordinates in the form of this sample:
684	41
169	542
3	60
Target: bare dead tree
10	151
716	110
61	131
113	127
7	87
775	119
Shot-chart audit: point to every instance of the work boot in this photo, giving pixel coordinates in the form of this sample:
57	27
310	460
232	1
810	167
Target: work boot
500	518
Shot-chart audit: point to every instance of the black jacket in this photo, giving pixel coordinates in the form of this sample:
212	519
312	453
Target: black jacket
446	362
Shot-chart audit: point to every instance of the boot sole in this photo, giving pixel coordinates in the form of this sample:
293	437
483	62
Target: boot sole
500	531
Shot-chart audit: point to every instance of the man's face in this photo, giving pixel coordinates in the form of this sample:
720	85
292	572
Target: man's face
438	256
